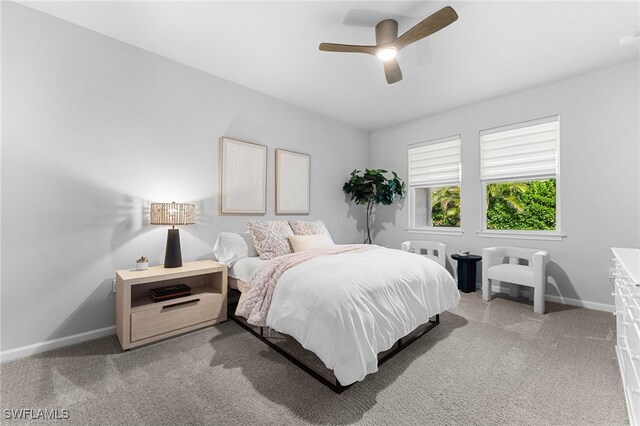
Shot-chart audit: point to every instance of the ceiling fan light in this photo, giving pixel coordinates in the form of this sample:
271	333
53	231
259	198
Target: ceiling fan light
630	38
387	53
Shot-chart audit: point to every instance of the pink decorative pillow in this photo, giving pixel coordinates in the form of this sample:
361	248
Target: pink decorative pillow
270	238
305	227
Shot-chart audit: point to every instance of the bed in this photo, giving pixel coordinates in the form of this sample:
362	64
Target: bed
347	304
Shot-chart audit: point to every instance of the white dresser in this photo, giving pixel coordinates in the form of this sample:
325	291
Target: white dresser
626	291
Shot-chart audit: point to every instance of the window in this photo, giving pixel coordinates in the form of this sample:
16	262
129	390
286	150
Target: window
434	185
520	176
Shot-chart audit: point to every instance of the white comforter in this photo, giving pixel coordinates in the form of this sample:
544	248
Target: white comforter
348	308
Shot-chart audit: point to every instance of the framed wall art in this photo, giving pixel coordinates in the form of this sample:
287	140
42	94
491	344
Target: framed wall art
293	173
243	177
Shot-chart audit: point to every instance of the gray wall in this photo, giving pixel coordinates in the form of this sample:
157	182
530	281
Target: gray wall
94	129
599	143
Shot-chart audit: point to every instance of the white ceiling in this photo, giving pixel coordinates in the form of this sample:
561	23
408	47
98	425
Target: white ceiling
494	48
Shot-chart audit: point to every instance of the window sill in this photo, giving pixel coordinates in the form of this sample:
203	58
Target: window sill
523	235
436	231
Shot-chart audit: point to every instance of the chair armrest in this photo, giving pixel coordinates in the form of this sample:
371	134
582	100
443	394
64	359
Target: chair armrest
540	259
538	264
492	256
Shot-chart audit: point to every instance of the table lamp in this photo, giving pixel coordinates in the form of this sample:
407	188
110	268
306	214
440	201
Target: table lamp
173	214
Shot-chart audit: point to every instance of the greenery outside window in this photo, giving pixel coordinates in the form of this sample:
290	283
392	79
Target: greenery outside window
445	206
437	207
520	179
434	186
527	205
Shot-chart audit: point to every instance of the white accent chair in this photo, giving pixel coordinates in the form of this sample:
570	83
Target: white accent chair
531	275
432	249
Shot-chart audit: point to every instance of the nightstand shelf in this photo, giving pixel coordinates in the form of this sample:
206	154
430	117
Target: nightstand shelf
145	302
140	321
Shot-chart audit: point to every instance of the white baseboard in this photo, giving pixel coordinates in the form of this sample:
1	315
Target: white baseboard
582	303
557	299
48	345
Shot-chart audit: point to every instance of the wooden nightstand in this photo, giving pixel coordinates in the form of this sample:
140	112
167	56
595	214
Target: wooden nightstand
140	321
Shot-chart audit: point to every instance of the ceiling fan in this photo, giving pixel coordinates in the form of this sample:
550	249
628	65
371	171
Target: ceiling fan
388	44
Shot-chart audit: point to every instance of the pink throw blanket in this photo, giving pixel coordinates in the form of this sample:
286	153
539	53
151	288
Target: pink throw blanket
254	303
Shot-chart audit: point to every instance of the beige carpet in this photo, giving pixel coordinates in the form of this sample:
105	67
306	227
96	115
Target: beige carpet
486	363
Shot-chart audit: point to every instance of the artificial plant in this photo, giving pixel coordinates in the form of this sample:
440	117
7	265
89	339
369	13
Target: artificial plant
371	188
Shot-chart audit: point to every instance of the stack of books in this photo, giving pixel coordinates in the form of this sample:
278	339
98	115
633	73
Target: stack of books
169	292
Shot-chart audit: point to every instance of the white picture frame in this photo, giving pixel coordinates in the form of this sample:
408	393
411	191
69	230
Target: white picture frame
293	178
242	178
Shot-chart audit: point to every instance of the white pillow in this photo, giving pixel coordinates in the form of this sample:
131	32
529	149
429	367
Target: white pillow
309	242
233	246
248	239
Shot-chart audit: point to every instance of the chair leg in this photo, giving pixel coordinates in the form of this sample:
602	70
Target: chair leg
514	290
538	300
486	289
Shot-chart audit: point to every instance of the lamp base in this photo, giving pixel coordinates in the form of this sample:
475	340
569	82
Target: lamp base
173	254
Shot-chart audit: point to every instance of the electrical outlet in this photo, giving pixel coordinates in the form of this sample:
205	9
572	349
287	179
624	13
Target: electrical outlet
113	285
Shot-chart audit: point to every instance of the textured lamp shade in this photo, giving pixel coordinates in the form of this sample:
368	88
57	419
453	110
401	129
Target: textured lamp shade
173	214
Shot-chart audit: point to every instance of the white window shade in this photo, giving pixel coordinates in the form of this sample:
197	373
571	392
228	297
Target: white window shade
435	164
524	152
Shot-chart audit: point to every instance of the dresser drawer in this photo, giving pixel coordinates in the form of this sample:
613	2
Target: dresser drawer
158	319
631	382
632	337
621	295
634	300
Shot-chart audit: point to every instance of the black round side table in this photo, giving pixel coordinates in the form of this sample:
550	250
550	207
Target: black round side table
467	271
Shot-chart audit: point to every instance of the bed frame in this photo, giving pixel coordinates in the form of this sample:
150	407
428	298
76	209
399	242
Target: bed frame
263	333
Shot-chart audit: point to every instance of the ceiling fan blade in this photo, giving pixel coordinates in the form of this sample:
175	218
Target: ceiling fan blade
334	47
392	71
428	26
